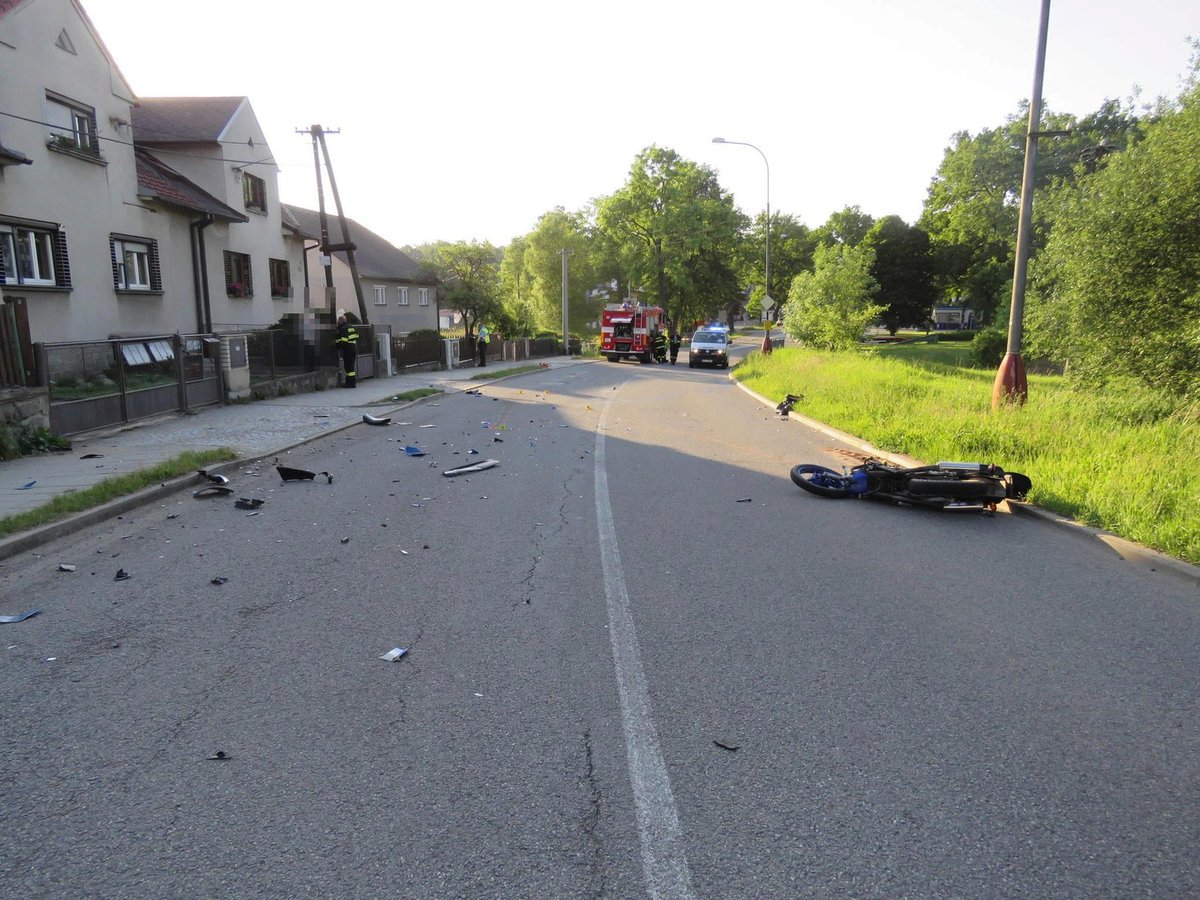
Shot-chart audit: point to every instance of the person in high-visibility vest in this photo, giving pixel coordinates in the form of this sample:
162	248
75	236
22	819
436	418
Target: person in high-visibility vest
482	342
347	344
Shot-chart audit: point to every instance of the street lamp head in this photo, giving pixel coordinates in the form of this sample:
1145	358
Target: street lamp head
718	140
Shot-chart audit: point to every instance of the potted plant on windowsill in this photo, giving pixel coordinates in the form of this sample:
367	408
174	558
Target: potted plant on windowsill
235	289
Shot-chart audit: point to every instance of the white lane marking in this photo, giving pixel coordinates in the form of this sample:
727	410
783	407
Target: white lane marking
664	861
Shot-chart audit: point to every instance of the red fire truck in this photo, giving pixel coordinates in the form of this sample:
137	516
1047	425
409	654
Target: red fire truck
627	329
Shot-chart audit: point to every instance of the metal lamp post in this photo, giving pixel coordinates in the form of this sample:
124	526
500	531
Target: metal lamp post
767	266
1010	385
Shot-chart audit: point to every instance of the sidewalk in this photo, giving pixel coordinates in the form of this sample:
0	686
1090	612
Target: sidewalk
259	428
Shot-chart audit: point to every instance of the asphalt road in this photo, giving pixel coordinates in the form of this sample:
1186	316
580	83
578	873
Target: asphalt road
928	704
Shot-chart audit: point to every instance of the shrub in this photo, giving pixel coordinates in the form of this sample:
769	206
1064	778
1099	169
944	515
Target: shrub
989	346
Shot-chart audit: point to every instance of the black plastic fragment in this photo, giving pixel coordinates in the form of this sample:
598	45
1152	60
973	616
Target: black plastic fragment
212	476
248	503
122	575
374	420
289	474
213	490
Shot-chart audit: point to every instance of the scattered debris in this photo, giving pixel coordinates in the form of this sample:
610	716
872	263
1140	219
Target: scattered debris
26	487
472	452
218	579
373	420
19	617
394	654
213	490
426	426
497	440
248	502
475	467
414	451
122	575
212	476
219	755
66	567
289	474
345	540
744	500
92	456
788	402
732	748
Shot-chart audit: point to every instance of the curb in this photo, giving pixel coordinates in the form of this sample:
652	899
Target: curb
1130	551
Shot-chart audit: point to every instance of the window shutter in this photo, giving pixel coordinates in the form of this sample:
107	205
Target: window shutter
249	277
3	267
116	264
62	267
155	271
228	269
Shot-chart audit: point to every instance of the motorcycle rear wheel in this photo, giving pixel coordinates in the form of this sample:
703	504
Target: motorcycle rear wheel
821	481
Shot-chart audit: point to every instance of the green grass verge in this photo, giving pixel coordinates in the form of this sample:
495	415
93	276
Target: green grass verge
1121	458
500	373
113	488
415	394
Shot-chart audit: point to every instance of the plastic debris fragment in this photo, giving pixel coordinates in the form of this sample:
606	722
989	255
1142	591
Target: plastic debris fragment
744	500
394	654
289	474
248	503
26	487
66	567
732	748
122	575
213	490
92	456
474	467
212	476
219	755
19	617
373	420
218	580
414	451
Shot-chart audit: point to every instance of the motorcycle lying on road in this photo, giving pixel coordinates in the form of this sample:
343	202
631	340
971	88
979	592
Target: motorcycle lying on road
947	485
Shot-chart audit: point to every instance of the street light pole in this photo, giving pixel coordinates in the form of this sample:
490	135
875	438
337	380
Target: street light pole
1010	385
767	265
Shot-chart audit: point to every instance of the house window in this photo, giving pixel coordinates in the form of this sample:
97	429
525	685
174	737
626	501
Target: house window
380	292
281	279
33	254
403	296
423	296
238	281
254	192
135	264
72	126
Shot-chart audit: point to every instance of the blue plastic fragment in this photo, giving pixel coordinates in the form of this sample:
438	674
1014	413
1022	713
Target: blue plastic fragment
26	487
20	617
414	451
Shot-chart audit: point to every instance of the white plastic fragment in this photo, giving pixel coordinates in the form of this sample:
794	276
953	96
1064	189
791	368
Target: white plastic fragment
394	654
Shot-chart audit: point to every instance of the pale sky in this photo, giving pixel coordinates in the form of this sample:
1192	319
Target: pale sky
469	120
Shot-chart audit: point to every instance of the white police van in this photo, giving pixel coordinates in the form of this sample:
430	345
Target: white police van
710	344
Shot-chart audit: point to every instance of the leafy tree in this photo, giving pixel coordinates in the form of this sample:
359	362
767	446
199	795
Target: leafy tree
1117	289
828	308
792	245
514	290
676	230
904	271
847	226
470	275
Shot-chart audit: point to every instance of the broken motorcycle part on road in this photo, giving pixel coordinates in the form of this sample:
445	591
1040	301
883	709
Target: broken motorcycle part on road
394	654
374	420
19	617
212	476
289	474
248	503
213	490
475	467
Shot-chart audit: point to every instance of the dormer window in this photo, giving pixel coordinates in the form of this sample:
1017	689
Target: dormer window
254	192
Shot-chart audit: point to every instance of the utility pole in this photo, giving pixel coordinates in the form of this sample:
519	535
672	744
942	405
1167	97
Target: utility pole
565	316
347	246
1010	385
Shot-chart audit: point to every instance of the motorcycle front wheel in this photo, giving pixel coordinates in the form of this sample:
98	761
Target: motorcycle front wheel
821	481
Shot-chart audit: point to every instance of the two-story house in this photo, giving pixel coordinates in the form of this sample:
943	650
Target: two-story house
397	291
102	234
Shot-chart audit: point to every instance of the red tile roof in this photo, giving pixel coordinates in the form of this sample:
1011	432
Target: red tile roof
158	181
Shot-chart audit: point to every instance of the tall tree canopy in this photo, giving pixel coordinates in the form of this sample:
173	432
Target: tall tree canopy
470	275
846	226
1117	288
903	269
677	230
792	246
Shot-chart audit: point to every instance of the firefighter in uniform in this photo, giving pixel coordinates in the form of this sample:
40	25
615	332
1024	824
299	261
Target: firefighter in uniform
347	344
660	346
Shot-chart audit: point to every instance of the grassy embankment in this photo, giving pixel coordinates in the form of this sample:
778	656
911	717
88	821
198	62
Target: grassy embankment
1121	458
